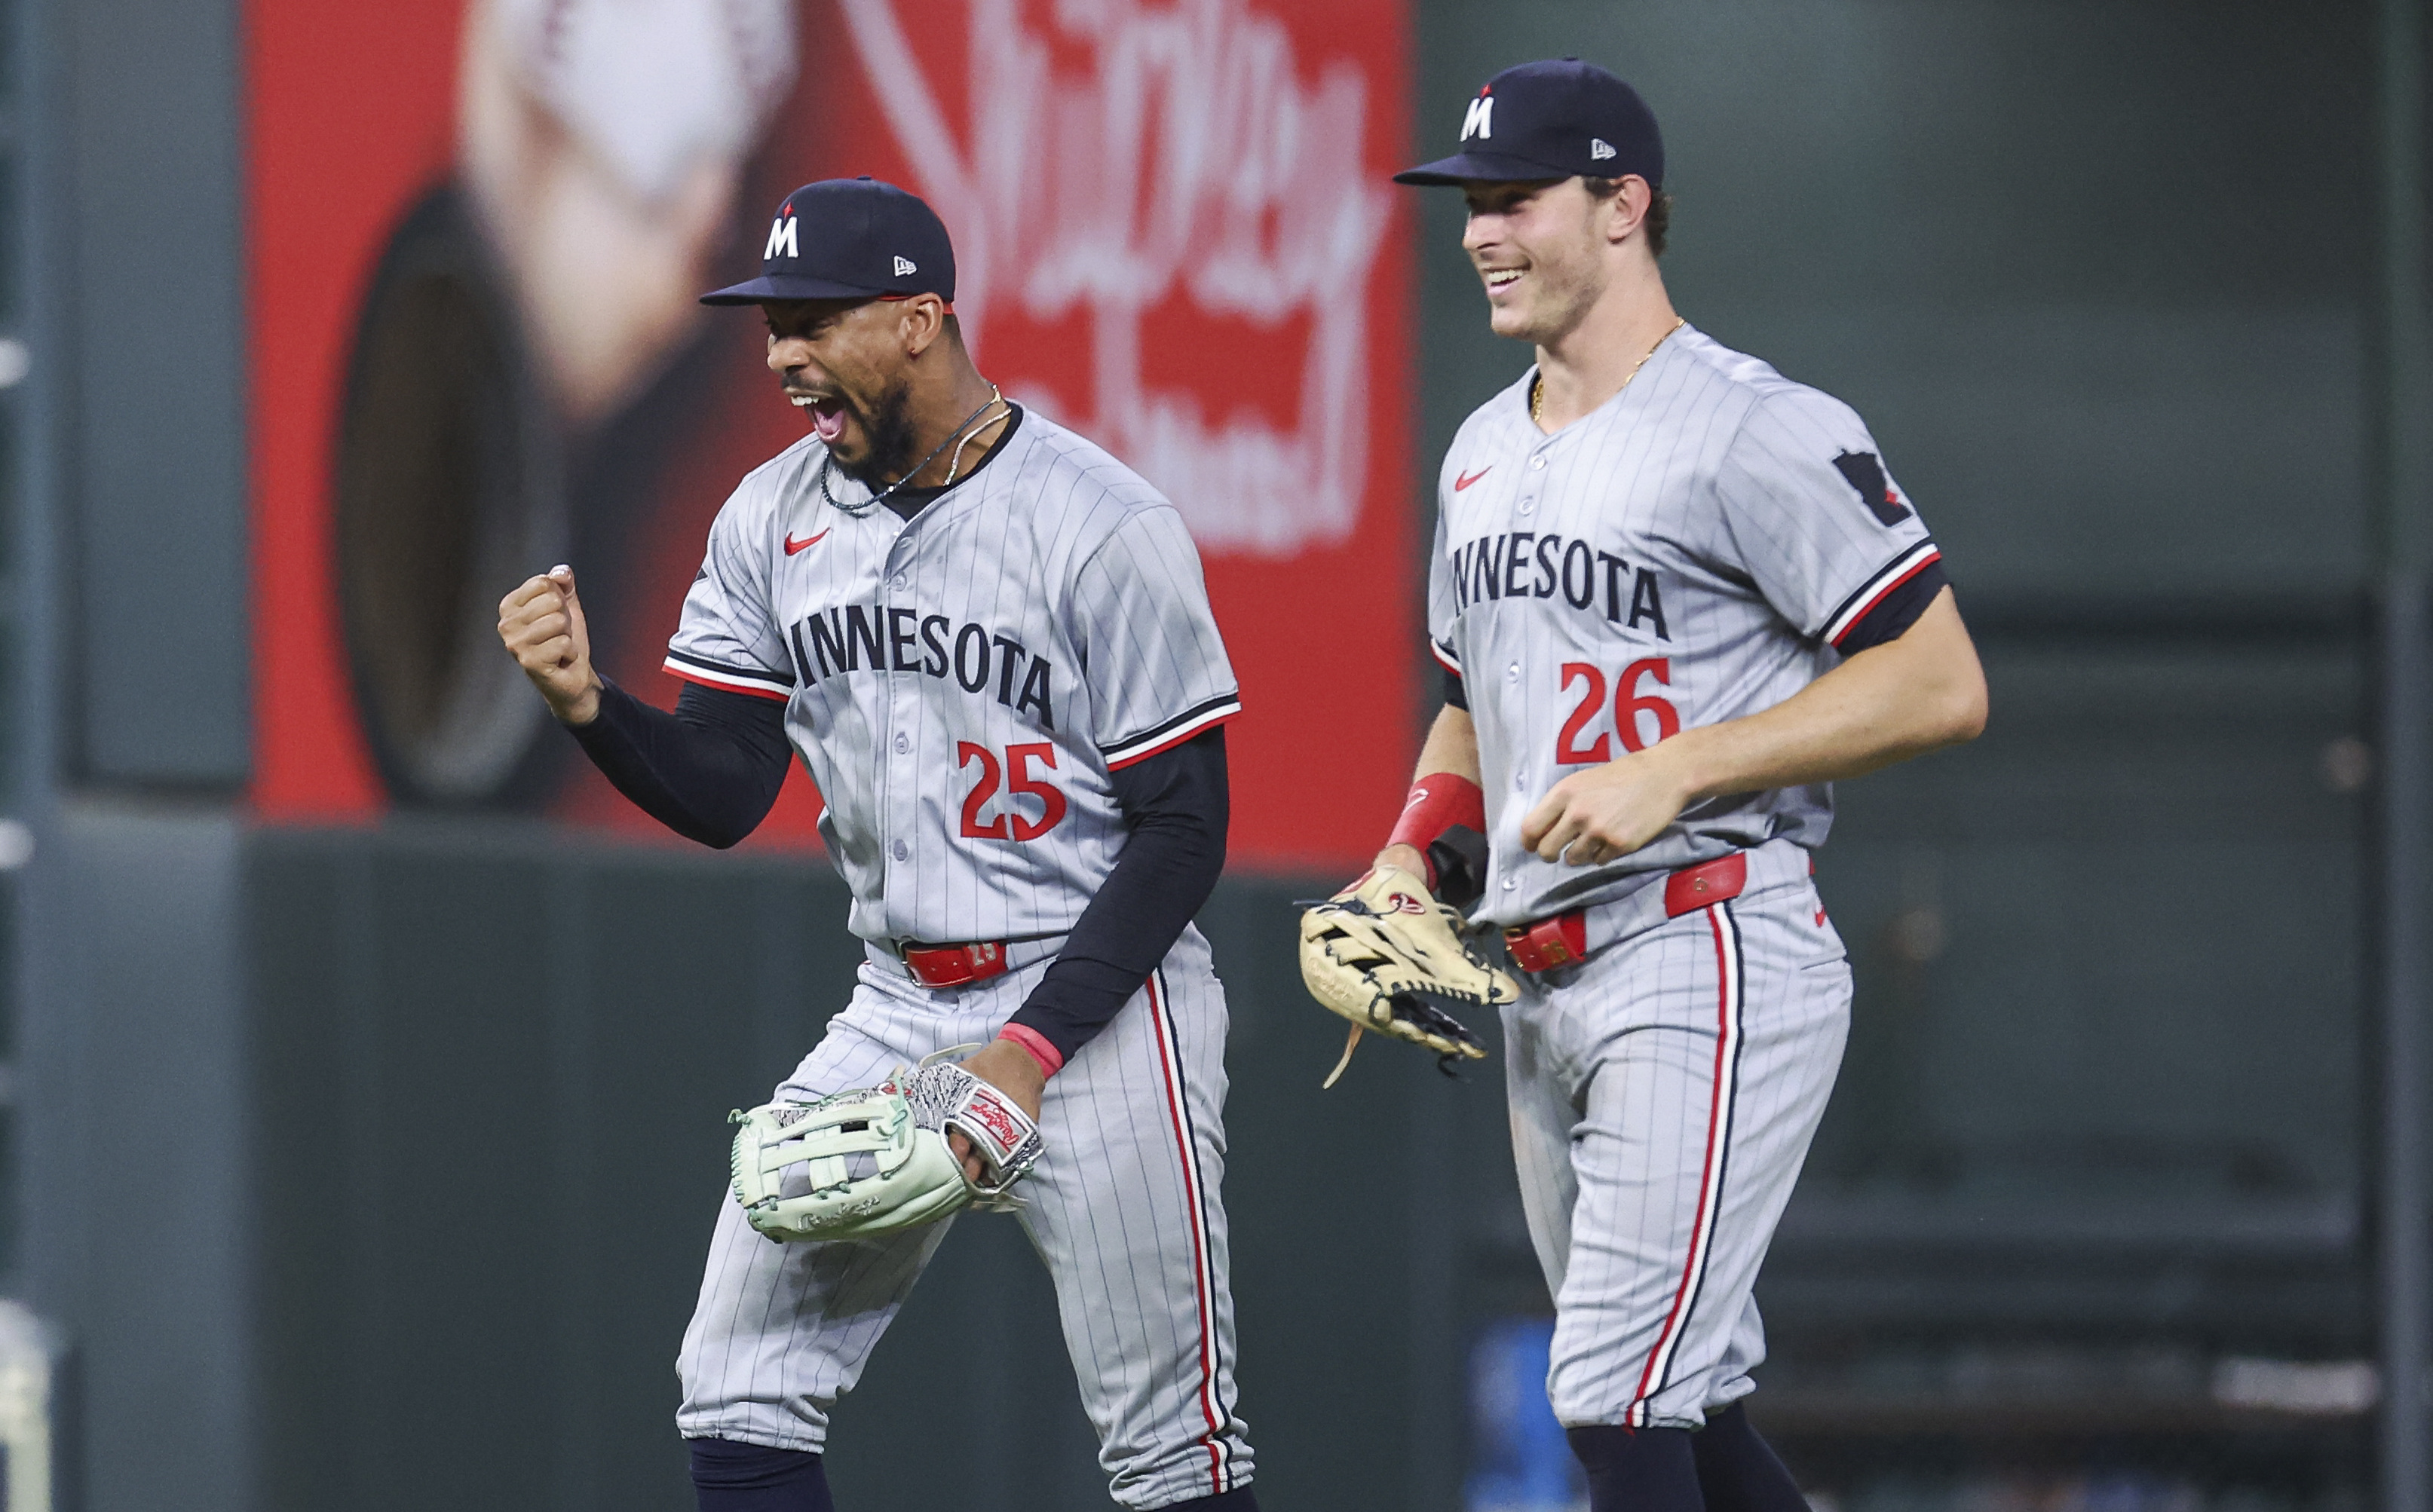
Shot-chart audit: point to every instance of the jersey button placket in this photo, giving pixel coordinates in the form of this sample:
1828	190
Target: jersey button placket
903	794
903	797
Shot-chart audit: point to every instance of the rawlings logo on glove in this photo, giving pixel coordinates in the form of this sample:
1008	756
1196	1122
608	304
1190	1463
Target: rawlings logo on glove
876	1160
1377	951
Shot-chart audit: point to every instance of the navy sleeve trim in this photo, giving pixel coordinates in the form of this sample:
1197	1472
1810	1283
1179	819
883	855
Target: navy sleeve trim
1444	656
1872	592
1894	611
1191	722
757	681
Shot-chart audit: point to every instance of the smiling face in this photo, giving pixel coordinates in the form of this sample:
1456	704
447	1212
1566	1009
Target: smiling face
1544	248
847	363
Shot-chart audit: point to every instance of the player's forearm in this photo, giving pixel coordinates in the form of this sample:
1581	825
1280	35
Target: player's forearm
1162	879
1903	699
1451	746
1178	807
1451	749
710	770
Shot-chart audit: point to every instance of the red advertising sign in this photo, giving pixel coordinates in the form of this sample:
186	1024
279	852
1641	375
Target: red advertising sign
478	231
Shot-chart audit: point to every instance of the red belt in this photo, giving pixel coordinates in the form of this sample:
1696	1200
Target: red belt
1563	940
956	965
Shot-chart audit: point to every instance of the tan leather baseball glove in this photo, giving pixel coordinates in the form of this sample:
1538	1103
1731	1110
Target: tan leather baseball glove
1378	951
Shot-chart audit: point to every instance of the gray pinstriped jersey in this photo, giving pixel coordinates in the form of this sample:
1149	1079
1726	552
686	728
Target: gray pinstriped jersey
962	684
1689	553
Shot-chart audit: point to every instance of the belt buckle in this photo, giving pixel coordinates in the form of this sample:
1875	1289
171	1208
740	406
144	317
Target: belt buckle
955	965
1561	940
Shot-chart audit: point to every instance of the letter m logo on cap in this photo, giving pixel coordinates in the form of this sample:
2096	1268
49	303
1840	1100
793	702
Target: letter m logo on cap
1479	120
781	238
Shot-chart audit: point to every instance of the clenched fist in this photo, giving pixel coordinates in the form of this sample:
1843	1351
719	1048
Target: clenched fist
542	623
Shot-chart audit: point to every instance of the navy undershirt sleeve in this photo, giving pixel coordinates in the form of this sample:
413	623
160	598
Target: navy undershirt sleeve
1176	806
709	771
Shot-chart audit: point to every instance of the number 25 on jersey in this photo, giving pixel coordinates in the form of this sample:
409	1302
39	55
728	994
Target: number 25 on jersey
1630	708
1011	822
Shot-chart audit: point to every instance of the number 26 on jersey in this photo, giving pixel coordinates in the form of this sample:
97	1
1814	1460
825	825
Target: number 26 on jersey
1641	717
1019	780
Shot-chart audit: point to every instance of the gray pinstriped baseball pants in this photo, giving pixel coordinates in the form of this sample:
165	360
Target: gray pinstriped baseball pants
1123	1207
1663	1094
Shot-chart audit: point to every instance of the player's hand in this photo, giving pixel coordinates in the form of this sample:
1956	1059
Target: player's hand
1008	1067
1402	859
542	625
1593	816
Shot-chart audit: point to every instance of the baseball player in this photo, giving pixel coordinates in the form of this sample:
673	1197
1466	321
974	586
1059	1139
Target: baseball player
1675	595
990	643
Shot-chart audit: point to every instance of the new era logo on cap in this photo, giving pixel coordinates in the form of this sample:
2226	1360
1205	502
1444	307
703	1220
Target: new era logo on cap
905	268
1600	148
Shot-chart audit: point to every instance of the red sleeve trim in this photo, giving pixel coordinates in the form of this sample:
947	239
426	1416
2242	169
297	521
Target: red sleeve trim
1197	727
1909	569
1036	1044
1444	657
692	674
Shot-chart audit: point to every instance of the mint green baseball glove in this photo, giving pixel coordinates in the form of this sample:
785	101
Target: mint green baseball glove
876	1160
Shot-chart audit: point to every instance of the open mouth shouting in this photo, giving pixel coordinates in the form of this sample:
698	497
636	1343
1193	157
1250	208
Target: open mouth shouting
828	413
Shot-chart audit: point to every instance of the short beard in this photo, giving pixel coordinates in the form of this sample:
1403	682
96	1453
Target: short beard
1570	296
888	423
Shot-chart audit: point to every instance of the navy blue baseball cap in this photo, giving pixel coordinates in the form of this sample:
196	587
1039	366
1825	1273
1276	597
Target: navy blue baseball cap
1552	120
850	239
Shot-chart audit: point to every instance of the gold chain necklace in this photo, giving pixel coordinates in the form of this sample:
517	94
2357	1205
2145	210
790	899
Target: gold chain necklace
1538	384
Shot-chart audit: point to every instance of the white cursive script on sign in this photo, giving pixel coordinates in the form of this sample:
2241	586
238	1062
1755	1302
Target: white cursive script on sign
1191	159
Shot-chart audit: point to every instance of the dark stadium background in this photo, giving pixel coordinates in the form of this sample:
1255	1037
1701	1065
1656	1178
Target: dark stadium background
365	1162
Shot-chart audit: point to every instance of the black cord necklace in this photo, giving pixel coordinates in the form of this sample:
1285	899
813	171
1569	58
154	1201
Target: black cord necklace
856	511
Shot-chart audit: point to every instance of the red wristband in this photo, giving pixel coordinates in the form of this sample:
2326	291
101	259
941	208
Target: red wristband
1438	801
1034	1045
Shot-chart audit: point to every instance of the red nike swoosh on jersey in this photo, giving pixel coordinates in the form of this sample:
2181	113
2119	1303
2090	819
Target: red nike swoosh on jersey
1459	483
793	545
